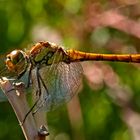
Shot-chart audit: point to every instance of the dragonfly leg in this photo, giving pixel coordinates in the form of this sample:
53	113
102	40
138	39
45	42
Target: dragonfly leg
43	83
37	109
14	87
38	81
39	95
29	76
38	92
11	90
46	89
29	111
39	106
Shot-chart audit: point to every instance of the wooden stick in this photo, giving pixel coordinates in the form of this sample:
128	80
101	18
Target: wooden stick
16	96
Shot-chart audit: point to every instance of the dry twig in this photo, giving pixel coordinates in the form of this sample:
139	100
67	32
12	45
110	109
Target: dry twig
16	96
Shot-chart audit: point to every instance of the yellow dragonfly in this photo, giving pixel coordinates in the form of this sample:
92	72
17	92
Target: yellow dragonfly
55	73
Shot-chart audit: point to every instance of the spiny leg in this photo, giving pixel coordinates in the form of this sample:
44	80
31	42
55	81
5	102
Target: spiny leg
39	106
46	89
29	111
43	83
29	76
38	92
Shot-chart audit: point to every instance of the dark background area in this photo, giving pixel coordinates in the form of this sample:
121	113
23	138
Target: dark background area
108	103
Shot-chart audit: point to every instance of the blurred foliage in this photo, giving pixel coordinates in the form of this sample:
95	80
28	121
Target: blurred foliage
109	90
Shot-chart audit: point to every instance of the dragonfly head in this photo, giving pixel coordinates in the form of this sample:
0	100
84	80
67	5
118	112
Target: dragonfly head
16	62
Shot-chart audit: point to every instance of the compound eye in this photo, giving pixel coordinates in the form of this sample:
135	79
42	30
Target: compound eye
16	56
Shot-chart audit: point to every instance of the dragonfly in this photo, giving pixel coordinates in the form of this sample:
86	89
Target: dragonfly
54	73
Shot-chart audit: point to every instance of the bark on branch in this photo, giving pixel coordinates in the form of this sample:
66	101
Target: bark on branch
16	96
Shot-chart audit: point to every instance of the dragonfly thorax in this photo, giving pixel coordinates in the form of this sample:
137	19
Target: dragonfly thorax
16	62
46	53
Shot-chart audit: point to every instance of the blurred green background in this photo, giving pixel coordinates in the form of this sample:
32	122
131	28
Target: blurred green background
108	104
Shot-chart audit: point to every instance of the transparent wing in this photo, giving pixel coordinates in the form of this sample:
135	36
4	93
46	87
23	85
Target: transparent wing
62	81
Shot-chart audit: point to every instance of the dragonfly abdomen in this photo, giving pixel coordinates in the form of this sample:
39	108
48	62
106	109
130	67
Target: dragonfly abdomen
83	56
